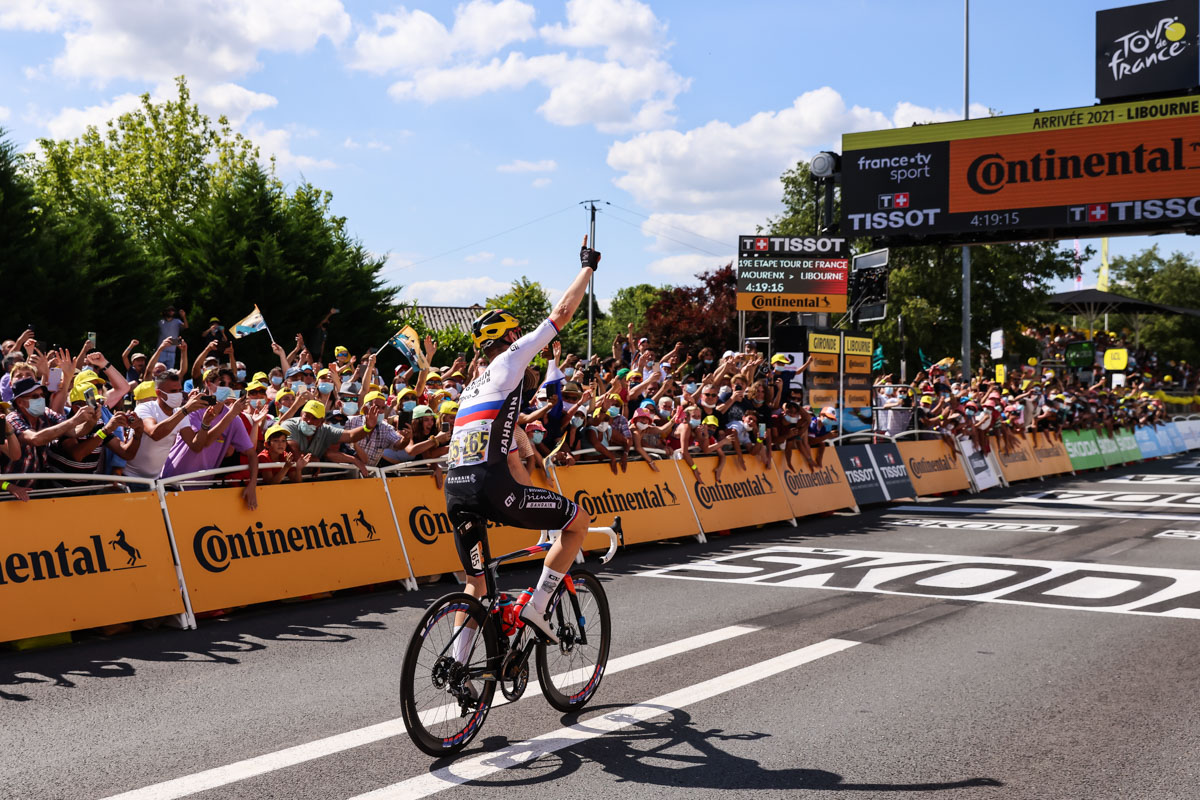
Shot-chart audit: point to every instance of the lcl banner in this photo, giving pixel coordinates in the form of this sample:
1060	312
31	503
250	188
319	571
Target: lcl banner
302	539
814	490
80	562
653	505
753	496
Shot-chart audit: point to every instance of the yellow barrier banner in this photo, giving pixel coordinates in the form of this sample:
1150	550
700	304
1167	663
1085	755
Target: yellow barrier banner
933	466
429	537
652	505
816	490
302	539
80	562
1019	463
1051	454
753	496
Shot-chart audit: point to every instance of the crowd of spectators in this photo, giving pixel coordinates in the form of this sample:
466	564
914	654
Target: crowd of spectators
169	414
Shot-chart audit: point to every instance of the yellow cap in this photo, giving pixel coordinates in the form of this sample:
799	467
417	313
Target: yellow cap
87	376
256	386
448	407
316	408
259	376
144	391
374	396
710	420
274	429
1033	362
433	376
284	393
323	373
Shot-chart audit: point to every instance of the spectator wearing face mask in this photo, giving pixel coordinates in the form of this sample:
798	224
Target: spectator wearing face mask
161	417
170	327
310	433
819	432
205	436
275	450
646	434
36	427
104	448
788	429
382	439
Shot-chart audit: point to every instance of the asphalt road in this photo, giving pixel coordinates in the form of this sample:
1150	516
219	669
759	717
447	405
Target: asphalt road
1036	642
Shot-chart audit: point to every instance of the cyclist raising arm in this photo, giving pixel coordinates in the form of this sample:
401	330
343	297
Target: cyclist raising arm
483	456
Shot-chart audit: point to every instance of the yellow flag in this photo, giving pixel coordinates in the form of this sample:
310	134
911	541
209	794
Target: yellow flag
1102	281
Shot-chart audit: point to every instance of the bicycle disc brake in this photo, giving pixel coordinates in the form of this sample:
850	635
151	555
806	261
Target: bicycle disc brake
514	671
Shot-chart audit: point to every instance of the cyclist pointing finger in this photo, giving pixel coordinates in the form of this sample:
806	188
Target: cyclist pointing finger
483	454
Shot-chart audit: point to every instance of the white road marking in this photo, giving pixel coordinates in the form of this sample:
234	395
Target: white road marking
515	755
969	511
288	757
1178	534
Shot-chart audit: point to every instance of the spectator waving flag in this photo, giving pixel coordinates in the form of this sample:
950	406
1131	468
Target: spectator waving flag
252	323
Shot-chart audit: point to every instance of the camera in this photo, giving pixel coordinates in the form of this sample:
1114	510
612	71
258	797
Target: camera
208	399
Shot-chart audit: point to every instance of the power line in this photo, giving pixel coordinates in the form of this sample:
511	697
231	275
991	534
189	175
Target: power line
488	238
669	225
663	235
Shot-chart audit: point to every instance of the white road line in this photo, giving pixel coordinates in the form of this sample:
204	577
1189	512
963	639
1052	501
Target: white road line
288	757
514	755
1027	512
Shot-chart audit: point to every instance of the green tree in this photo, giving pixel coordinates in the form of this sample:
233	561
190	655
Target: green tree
526	299
1170	280
800	195
153	167
574	334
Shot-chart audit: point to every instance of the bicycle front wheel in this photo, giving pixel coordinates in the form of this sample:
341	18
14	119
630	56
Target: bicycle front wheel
442	699
570	671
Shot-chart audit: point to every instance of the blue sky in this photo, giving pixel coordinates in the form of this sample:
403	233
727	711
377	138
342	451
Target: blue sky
437	125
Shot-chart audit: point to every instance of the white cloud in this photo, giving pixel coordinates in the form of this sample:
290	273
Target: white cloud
545	165
627	29
233	102
706	230
278	142
207	40
454	292
4	113
377	145
350	144
685	266
480	257
70	122
409	40
540	183
907	114
513	262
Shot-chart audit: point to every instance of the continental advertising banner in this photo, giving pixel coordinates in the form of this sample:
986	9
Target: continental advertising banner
1083	449
933	466
652	505
753	496
815	490
1051	454
81	562
1092	171
1018	463
302	539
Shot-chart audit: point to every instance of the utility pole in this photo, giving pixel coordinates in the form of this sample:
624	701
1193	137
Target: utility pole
966	250
591	280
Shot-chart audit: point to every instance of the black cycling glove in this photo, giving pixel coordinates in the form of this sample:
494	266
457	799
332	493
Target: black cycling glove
589	258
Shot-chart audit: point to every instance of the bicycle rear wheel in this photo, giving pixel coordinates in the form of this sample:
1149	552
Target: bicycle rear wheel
441	712
570	671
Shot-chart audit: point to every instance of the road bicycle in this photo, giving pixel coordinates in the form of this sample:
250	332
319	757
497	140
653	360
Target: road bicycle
444	701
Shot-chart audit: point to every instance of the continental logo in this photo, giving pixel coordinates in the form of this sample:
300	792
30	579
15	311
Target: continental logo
796	482
1014	456
928	466
1049	451
215	550
426	526
609	502
711	494
66	561
991	172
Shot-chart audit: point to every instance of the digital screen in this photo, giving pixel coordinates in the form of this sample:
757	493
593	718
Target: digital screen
1096	171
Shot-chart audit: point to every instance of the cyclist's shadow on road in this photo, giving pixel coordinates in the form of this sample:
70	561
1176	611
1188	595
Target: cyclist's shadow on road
670	751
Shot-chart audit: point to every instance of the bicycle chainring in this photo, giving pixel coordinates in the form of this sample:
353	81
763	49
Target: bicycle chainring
514	675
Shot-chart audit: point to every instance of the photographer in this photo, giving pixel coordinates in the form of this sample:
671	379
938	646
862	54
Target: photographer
171	326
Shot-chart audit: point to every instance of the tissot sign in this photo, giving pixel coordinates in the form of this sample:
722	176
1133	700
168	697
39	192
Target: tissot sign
1147	49
1120	168
792	273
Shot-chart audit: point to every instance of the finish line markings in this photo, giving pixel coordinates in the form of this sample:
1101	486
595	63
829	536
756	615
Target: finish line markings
485	764
291	756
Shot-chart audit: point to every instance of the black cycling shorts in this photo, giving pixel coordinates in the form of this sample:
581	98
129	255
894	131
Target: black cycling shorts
494	495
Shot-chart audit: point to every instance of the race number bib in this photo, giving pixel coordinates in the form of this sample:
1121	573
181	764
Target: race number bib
468	447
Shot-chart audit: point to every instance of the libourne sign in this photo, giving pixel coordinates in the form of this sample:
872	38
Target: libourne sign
1122	168
792	273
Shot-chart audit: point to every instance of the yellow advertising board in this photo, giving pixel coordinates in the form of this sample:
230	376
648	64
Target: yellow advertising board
825	343
652	505
80	562
1019	463
817	490
752	496
933	466
302	538
1051	454
1116	359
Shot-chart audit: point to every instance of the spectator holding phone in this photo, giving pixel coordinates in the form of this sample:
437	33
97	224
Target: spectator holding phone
161	417
205	437
171	326
37	427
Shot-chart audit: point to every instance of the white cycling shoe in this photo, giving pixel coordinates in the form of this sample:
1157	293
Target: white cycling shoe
540	623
